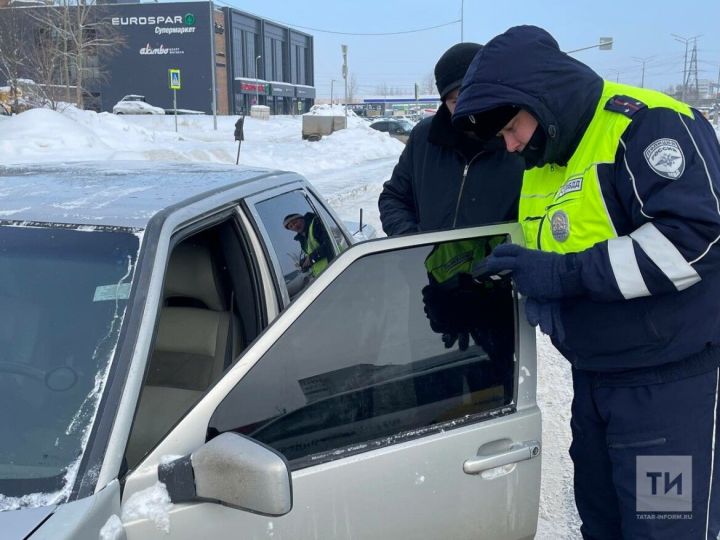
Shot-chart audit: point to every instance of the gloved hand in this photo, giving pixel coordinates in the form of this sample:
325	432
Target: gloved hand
457	313
538	274
545	314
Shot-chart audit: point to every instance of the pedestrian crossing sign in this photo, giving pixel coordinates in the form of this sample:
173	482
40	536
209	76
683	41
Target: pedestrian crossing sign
174	75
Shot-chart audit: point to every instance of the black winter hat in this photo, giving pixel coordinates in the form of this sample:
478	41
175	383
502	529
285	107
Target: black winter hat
451	68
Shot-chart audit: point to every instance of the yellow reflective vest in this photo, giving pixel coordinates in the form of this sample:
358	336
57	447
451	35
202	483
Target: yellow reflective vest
311	245
562	209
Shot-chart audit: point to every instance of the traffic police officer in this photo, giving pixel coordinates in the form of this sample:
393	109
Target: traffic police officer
620	206
313	241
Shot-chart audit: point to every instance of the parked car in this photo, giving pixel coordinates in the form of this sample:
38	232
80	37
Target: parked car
163	364
399	129
135	104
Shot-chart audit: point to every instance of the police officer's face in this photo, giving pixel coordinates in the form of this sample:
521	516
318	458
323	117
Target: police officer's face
518	131
451	100
296	225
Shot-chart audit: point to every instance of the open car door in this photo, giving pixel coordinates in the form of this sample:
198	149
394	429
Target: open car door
399	393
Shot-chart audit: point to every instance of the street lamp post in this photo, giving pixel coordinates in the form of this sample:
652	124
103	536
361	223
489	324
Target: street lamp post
257	80
643	61
344	49
332	82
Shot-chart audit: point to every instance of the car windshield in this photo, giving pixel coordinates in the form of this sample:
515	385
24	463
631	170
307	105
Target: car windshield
64	292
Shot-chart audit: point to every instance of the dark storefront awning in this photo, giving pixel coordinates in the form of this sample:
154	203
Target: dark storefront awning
282	89
305	92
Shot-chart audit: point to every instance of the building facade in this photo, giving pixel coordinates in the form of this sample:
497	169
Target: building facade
269	65
160	37
228	60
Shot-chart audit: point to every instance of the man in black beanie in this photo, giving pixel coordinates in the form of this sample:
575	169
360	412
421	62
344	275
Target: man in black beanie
446	179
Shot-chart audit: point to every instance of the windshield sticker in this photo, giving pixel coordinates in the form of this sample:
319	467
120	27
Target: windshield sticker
118	291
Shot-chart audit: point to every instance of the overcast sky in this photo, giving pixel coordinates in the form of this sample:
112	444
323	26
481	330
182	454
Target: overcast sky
640	28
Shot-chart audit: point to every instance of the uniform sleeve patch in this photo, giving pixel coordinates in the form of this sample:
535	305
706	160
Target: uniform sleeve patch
624	105
666	158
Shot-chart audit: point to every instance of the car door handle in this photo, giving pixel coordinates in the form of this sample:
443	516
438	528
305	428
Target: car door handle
521	451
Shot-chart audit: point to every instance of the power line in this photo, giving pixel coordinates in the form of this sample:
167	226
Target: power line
399	32
396	33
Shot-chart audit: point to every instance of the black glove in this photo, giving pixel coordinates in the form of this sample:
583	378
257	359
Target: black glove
457	314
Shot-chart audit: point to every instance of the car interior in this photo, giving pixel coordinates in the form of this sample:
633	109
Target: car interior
201	331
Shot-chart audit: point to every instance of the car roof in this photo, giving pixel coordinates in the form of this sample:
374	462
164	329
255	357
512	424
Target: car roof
120	193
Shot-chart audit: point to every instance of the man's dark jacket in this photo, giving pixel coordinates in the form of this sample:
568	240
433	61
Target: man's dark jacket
429	191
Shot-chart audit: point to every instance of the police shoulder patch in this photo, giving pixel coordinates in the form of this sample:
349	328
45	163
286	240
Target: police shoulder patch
666	158
624	105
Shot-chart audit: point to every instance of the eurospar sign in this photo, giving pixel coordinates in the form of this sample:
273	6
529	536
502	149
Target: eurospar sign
164	24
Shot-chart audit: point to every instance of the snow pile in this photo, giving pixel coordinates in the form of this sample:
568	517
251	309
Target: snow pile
42	135
152	503
41	131
330	110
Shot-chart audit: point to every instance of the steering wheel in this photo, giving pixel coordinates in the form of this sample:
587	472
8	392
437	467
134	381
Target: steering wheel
59	379
18	368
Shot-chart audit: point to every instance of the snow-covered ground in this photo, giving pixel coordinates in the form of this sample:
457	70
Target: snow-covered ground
348	168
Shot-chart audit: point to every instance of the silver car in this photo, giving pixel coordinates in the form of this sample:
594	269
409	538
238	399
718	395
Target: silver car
165	374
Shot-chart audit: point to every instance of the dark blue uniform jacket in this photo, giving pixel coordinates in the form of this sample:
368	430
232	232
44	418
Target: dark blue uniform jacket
673	223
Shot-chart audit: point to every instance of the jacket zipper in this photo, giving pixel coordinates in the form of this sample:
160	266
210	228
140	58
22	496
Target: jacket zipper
462	187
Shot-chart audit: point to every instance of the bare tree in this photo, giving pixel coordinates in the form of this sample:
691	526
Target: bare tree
382	89
13	50
84	37
46	60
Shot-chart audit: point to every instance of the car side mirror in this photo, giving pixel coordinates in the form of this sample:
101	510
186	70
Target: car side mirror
234	471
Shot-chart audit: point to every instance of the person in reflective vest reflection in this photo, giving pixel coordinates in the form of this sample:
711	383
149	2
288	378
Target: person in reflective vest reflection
313	239
460	307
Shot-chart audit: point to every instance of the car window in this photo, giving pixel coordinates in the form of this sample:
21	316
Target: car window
380	126
64	294
337	234
298	237
364	366
210	312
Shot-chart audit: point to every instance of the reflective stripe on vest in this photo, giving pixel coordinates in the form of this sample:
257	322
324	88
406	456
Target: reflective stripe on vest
562	209
449	259
311	245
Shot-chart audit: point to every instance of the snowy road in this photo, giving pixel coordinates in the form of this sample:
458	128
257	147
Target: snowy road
348	168
349	190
